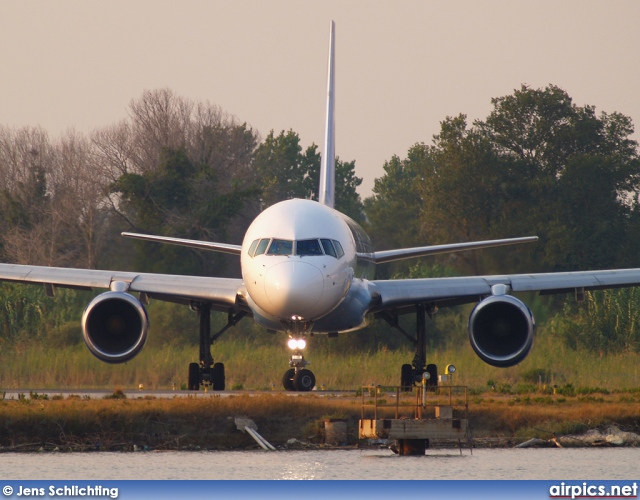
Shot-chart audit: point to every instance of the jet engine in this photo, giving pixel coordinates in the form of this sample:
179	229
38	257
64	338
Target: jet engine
501	330
115	326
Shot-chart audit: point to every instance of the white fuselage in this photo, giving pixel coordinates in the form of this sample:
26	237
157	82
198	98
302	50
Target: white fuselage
298	260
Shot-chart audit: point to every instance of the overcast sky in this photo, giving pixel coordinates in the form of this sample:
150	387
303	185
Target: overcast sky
402	67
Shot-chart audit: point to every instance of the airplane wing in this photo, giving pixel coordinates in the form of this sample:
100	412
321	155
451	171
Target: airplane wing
203	245
409	253
222	292
452	291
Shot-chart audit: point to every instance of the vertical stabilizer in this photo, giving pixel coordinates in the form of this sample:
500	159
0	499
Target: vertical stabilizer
328	165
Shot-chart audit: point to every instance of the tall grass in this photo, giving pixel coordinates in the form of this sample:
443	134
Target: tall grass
259	363
39	349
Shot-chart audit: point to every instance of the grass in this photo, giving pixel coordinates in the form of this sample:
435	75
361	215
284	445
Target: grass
260	362
255	359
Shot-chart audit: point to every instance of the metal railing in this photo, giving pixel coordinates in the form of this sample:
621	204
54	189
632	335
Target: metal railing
427	402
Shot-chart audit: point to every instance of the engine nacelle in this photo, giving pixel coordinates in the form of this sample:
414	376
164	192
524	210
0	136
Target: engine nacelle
115	326
501	330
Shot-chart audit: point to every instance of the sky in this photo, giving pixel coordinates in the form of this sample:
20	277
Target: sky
401	67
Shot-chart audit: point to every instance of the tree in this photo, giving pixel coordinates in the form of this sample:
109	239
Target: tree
78	201
462	190
576	175
393	211
287	172
178	198
182	169
539	165
26	160
347	198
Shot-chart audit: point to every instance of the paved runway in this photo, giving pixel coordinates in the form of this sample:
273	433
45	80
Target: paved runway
143	393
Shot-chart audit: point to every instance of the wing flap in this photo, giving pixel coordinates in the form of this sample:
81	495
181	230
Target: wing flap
395	293
218	290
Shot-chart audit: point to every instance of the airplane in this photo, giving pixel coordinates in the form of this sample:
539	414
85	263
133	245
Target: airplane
308	269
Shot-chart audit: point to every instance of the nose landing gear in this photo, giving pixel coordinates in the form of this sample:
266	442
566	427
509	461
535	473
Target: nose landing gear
298	377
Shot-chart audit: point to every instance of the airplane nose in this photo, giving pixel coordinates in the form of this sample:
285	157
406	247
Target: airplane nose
294	288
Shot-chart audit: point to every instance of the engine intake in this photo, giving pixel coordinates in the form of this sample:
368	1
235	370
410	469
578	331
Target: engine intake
501	330
115	326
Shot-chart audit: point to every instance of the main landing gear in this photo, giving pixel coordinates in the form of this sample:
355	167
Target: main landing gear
207	372
298	378
411	374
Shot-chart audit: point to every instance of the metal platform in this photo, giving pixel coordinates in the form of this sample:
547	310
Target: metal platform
450	429
434	413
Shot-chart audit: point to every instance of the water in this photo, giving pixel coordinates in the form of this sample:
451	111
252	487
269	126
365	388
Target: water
561	464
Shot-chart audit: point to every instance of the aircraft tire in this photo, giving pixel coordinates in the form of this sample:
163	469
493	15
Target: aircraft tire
304	380
194	377
287	379
218	377
433	375
406	378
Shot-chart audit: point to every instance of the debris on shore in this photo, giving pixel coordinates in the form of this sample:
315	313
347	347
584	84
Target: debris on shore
611	436
249	426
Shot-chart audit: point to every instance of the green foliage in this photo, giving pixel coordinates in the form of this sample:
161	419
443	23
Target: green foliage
393	211
27	314
537	376
608	322
65	335
38	397
178	198
23	205
173	324
567	390
539	165
422	269
525	388
287	172
569	173
347	198
22	309
464	193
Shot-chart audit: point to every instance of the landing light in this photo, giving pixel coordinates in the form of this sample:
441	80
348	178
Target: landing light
297	344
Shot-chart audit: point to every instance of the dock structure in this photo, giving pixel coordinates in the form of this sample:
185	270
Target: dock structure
435	413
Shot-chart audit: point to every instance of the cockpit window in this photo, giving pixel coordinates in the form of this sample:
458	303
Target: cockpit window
303	247
281	247
253	246
308	247
339	249
328	248
262	246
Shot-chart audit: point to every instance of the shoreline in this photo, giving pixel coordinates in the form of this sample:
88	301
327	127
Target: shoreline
73	424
